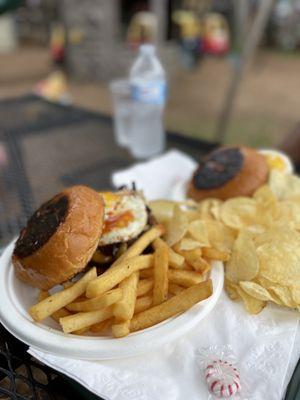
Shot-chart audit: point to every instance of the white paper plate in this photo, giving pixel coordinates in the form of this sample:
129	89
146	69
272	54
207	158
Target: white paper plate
16	297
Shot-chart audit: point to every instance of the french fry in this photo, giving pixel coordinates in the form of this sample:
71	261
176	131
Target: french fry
175	260
142	304
184	278
146	273
104	300
175	289
193	258
123	309
59	300
120	329
113	276
141	244
214	254
175	305
144	286
62	312
85	319
160	273
101	326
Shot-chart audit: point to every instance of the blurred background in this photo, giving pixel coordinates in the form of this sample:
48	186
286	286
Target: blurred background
232	65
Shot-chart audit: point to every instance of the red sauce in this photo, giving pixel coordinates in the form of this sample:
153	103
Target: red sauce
117	221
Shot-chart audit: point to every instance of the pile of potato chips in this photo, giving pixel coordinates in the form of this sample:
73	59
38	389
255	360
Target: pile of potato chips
258	237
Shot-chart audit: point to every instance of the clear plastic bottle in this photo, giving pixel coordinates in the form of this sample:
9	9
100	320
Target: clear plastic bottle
148	91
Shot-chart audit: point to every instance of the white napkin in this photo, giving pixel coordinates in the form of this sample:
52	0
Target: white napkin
263	346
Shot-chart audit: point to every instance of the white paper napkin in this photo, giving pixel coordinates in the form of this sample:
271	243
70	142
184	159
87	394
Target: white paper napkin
263	346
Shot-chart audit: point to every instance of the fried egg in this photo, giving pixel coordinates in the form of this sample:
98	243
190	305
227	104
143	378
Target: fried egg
125	216
278	161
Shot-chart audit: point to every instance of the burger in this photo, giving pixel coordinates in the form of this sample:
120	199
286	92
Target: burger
228	172
74	228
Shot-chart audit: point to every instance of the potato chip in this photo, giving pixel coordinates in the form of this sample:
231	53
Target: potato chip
252	305
231	290
264	194
284	294
187	244
284	186
243	264
208	208
295	292
289	213
239	212
177	227
220	236
280	262
255	290
197	230
162	210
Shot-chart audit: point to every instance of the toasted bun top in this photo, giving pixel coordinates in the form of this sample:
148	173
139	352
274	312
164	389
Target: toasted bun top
60	238
229	172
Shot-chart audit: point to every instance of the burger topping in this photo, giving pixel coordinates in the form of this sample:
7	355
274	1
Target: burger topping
41	226
218	168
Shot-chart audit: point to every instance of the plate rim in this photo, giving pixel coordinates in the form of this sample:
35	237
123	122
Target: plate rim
48	340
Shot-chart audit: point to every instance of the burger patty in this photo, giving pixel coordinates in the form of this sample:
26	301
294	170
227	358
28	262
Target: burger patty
218	168
41	226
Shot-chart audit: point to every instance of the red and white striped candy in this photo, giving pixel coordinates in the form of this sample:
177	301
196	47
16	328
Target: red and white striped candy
222	378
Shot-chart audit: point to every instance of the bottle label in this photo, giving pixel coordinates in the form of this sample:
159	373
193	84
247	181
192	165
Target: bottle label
149	92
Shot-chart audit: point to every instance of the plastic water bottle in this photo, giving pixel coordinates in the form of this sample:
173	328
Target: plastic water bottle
148	92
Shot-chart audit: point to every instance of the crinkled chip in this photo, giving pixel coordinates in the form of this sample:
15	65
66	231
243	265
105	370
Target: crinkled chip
284	186
209	208
243	264
239	212
220	237
187	244
295	292
279	262
176	227
231	290
252	305
255	290
284	294
162	210
198	231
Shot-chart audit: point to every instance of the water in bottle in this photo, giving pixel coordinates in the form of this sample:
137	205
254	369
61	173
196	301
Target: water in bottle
148	91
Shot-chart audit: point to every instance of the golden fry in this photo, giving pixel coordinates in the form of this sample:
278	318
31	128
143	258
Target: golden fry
175	259
144	286
175	289
62	312
58	300
124	308
142	304
215	254
184	278
85	319
175	305
146	273
113	276
104	300
120	329
194	258
161	266
141	244
101	326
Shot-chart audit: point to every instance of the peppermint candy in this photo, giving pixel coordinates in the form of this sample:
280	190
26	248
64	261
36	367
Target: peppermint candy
222	378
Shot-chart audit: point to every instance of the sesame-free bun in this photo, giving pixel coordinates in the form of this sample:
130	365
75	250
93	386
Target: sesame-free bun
228	172
60	238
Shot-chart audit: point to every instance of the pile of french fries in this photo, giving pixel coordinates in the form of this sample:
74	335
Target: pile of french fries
136	292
